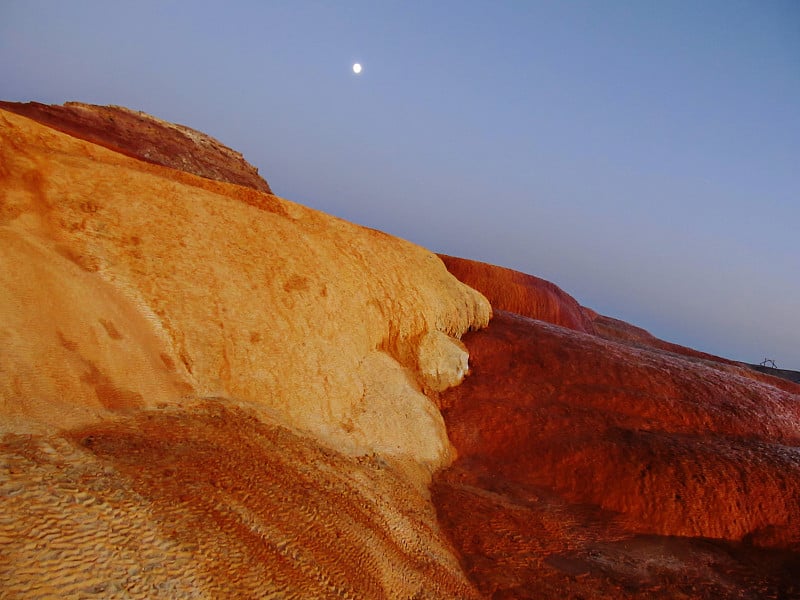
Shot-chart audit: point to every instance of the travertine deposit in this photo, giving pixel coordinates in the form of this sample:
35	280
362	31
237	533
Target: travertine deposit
597	469
131	292
207	391
129	284
205	500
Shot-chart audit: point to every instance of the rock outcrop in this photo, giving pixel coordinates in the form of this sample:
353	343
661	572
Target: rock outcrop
210	391
147	138
521	293
596	468
536	298
129	285
213	391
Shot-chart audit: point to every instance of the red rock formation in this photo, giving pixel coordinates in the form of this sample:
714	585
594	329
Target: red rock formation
578	457
520	293
615	329
147	138
620	331
539	299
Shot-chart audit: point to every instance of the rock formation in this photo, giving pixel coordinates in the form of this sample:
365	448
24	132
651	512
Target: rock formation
210	391
130	292
147	138
589	467
520	293
140	284
538	299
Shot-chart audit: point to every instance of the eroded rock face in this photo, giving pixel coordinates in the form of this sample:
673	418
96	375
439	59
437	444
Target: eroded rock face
580	458
145	137
520	293
138	284
129	293
536	298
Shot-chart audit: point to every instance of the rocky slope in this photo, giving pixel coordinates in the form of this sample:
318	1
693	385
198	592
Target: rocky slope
592	467
133	291
521	293
209	391
536	298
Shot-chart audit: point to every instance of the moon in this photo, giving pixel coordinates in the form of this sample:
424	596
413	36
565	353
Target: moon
357	68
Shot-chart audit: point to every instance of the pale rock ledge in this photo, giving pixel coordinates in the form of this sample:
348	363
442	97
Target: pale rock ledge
127	285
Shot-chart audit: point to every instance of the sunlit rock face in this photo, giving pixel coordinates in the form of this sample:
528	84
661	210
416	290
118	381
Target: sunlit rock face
592	467
520	293
211	391
137	284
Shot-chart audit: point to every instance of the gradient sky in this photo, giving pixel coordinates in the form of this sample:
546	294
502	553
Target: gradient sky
643	155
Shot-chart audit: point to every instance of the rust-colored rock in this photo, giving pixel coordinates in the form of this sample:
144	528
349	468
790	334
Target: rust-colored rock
620	331
536	298
520	293
145	137
615	329
590	467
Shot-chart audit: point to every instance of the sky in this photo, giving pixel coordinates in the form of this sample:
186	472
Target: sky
643	155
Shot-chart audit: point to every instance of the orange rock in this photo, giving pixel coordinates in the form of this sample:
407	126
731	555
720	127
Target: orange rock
138	284
206	500
130	294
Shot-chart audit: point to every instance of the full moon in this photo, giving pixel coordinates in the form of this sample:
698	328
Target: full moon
357	68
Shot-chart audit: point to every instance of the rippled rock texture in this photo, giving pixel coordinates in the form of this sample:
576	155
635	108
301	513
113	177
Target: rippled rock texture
208	500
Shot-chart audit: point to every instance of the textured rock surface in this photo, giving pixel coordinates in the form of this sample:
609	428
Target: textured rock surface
131	291
208	501
592	467
137	284
620	331
520	293
145	137
209	391
536	298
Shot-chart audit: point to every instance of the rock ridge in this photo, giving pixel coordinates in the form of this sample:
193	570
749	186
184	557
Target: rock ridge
143	136
314	318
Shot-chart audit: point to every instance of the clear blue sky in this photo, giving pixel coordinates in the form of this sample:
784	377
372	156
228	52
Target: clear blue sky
643	155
